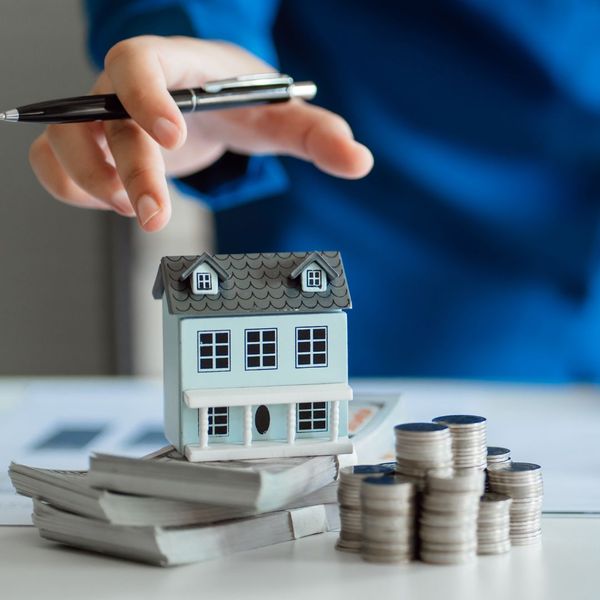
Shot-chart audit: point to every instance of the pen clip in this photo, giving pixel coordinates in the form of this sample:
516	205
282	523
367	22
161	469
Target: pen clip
243	81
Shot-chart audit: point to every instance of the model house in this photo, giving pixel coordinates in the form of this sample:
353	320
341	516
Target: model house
255	354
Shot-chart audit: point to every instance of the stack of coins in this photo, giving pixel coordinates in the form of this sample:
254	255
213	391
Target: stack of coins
493	524
523	483
422	447
388	519
497	457
469	440
448	522
349	500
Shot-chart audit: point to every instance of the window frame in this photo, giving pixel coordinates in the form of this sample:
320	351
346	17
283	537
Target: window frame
312	352
214	355
203	288
316	275
261	355
211	420
312	419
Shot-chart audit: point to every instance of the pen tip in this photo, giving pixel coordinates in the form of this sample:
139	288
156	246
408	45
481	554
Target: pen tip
2	116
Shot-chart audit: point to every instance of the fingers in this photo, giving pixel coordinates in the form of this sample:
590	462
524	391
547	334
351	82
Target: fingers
301	130
55	179
85	162
141	168
135	70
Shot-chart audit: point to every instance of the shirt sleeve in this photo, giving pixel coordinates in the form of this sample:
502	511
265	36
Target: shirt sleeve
233	179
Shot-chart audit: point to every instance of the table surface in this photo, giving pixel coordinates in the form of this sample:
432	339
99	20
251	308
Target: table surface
528	419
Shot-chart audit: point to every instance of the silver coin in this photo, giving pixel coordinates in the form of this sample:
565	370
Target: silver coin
495	548
347	545
420	429
460	420
461	481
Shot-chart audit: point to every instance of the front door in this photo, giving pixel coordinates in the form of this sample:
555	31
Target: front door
269	422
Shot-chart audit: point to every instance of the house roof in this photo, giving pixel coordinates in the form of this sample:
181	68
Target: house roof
255	284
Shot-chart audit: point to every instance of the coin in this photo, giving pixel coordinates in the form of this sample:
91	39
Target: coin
523	483
493	524
388	518
469	440
350	505
448	522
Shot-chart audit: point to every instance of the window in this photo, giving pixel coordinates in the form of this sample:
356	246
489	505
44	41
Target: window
313	279
203	281
213	351
261	349
312	416
218	420
311	347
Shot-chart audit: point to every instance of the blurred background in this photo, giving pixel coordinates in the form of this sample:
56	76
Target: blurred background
76	285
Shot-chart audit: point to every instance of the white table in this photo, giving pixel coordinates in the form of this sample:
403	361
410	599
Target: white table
566	566
530	420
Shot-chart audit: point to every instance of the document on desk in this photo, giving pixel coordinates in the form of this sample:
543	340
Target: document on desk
56	423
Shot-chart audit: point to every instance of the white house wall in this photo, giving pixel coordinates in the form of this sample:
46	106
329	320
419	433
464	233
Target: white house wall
174	411
286	373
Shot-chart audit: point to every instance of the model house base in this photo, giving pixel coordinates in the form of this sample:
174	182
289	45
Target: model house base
308	447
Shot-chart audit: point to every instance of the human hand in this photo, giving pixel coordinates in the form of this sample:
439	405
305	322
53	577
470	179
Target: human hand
122	165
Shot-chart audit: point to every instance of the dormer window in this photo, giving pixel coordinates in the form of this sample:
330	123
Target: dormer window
314	278
204	275
203	281
315	273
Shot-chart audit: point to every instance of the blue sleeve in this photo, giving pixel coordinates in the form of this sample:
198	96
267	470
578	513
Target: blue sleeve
232	180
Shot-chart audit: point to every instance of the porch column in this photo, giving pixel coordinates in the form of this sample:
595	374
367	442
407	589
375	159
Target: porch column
335	420
203	424
291	432
248	425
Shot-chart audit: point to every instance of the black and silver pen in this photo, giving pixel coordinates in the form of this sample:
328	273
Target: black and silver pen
245	90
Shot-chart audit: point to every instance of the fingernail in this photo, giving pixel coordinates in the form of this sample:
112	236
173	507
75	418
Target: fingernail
166	132
147	208
121	203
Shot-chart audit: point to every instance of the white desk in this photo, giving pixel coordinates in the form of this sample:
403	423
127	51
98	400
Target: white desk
565	566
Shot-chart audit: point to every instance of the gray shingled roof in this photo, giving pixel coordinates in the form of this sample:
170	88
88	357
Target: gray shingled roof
256	283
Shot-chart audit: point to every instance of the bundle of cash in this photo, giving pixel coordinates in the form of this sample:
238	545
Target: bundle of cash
200	511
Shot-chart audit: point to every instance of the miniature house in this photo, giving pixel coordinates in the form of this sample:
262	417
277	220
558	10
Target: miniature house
255	354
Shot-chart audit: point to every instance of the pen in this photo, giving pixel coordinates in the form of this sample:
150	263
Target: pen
245	90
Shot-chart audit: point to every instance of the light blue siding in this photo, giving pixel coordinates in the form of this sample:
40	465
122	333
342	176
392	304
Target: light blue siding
336	370
181	371
172	391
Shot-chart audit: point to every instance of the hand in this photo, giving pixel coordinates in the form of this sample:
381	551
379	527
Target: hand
121	165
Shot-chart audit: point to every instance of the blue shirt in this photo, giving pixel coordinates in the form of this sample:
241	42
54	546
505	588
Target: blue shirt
472	247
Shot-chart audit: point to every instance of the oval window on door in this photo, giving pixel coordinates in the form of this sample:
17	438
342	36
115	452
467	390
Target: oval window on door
262	419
